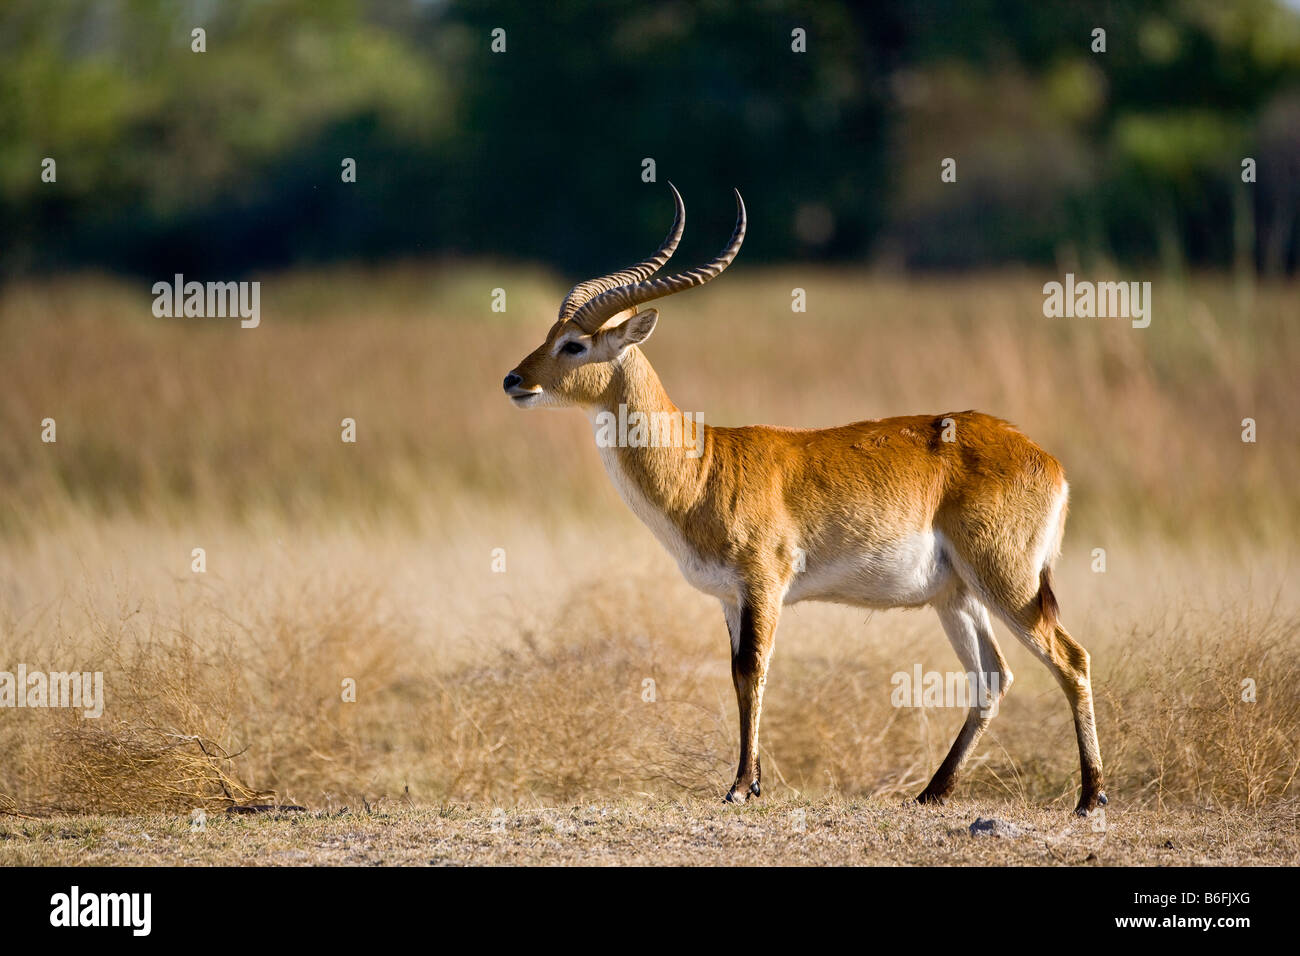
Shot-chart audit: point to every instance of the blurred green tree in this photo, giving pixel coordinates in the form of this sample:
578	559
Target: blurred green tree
229	160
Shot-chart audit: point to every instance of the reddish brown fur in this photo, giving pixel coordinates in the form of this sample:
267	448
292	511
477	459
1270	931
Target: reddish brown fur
850	497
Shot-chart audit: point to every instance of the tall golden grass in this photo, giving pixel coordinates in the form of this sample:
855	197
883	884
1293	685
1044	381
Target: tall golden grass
373	562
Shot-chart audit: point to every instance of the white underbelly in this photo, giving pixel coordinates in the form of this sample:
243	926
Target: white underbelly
907	573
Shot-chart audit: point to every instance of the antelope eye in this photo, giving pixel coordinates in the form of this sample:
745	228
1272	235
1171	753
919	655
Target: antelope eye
573	348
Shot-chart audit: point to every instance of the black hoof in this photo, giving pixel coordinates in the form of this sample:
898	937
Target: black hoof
932	799
735	795
1086	804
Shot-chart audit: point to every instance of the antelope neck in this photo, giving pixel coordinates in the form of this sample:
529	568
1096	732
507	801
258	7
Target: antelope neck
665	475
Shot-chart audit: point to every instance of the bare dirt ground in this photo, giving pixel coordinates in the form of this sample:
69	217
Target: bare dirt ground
694	833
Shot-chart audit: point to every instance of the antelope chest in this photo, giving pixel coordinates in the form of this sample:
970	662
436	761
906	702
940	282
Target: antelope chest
701	573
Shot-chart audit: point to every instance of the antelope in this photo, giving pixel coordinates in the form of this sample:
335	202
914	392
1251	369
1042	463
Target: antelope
959	511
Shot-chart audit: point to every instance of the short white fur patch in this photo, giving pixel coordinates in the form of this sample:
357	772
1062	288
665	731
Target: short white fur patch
573	336
732	614
909	572
1049	540
537	399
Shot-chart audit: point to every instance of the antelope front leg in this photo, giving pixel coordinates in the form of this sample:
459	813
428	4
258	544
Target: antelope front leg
752	626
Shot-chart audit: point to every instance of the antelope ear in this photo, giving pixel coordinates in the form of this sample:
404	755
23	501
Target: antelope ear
611	342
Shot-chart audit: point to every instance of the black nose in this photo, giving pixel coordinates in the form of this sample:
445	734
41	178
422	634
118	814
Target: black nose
511	381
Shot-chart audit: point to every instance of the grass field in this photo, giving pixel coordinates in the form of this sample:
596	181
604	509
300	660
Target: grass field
678	833
526	689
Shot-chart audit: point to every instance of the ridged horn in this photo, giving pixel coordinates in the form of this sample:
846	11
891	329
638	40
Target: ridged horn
584	291
592	314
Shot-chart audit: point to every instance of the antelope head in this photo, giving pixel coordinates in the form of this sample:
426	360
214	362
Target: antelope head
601	319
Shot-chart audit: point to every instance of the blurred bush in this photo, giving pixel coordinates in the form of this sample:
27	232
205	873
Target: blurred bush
229	160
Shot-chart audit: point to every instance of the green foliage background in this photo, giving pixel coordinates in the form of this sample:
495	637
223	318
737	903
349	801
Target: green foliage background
229	160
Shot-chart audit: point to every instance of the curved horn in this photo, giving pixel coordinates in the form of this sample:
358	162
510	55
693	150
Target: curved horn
584	291
593	314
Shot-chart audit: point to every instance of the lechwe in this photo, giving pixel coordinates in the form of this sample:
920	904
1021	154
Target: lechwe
959	511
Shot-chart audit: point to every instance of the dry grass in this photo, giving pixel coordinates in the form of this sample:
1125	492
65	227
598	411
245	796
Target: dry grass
173	419
526	689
